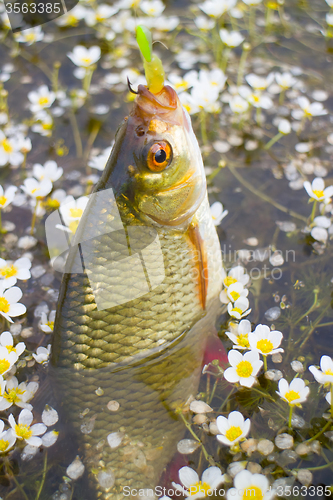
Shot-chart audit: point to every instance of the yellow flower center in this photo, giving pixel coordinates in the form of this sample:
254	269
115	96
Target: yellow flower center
4	365
319	194
181	85
72	20
229	281
3	445
253	493
187	107
10	348
272	5
23	431
243	340
256	98
4	305
42	101
47	126
8	271
13	395
86	60
265	346
100	18
33	191
328	372
3	200
30	37
75	212
54	204
233	433
235	295
199	488
238	310
291	396
244	369
50	324
73	226
8	148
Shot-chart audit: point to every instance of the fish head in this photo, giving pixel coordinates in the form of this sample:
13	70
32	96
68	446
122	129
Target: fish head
156	162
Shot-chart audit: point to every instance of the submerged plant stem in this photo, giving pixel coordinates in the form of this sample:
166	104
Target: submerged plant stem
76	134
276	138
33	220
313	213
43	478
209	459
265	363
290	416
320	432
261	195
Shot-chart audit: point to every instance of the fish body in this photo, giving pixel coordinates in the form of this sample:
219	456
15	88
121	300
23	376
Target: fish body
138	299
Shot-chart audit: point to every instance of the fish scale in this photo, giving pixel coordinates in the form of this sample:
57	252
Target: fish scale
145	353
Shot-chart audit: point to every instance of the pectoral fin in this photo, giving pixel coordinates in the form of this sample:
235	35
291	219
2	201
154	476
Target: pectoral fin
202	262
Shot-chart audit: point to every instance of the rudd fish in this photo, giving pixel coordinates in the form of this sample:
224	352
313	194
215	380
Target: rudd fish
137	301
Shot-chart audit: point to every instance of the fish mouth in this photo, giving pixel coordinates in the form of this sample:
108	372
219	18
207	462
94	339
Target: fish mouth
164	105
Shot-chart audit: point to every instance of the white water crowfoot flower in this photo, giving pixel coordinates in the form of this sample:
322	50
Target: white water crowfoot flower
308	110
83	57
231	38
233	428
248	486
18	394
285	80
238	105
294	393
193	488
218	213
9	305
243	368
50	171
99	161
7	360
23	430
237	273
236	291
41	98
72	210
7	341
259	83
7	439
239	334
152	8
42	354
36	189
47	325
10	151
265	341
11	271
7	196
325	376
317	190
216	8
240	308
30	36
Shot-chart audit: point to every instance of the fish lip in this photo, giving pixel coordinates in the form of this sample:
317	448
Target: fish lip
165	105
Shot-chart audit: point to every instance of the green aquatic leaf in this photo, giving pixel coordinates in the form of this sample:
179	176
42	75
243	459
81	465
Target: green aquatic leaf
144	39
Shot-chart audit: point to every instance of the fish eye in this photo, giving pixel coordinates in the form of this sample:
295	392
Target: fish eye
159	156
